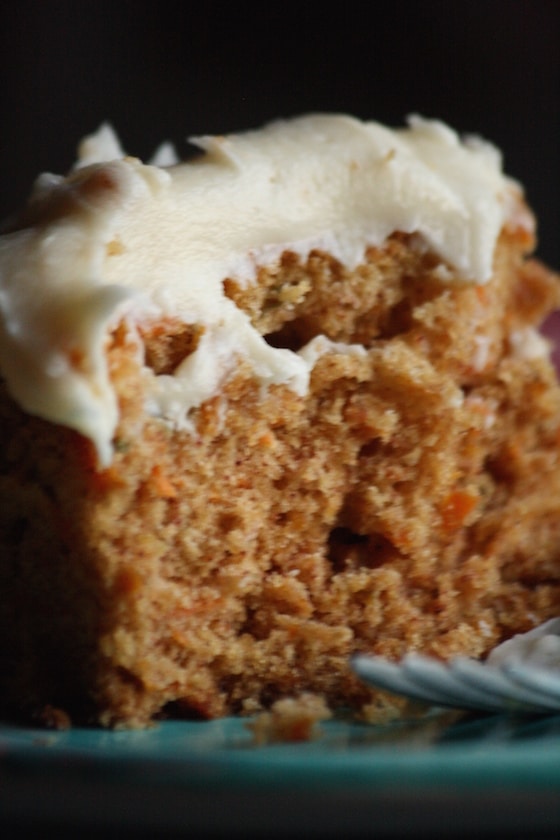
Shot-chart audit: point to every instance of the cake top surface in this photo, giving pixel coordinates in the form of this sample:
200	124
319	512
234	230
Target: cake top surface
117	237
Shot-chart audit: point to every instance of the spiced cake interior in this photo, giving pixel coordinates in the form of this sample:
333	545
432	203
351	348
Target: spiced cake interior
200	515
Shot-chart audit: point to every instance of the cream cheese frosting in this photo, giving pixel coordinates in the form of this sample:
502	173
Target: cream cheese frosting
119	238
539	647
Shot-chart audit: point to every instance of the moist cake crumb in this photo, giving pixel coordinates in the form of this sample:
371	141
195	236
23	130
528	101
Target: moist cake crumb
219	483
290	720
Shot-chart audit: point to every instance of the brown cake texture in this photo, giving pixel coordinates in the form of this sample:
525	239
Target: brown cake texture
408	501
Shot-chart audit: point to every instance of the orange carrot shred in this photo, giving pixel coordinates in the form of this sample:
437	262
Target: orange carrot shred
163	486
456	508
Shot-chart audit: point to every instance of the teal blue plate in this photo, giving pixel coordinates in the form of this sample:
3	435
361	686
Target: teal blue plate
489	774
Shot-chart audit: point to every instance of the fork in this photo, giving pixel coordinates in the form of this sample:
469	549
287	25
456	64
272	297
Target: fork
521	675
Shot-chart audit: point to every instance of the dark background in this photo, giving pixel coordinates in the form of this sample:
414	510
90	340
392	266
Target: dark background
172	69
167	70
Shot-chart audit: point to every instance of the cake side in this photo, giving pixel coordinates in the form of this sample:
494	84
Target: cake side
407	501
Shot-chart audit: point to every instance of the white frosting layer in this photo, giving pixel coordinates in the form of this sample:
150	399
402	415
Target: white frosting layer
539	647
121	238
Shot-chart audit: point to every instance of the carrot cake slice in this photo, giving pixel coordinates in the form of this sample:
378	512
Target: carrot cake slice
266	408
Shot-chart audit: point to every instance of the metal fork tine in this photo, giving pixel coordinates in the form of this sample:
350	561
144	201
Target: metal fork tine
390	676
494	681
463	683
386	675
536	679
436	676
512	679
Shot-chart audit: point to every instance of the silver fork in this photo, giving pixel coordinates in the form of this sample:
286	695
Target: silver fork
521	675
